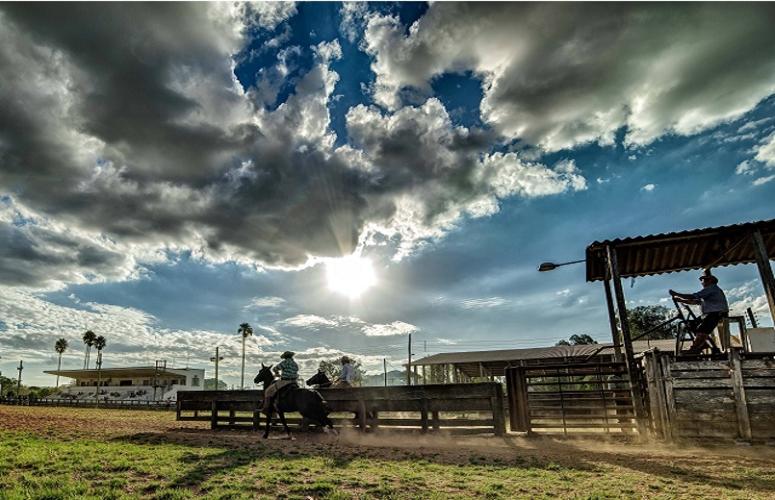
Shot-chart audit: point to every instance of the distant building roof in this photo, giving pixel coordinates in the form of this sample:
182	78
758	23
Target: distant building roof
497	361
681	251
137	371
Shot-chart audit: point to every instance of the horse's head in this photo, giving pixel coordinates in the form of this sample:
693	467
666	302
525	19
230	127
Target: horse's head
319	379
265	375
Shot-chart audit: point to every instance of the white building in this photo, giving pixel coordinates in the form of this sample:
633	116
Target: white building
142	383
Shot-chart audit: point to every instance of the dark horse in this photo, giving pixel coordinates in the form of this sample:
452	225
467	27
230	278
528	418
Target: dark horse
309	403
320	380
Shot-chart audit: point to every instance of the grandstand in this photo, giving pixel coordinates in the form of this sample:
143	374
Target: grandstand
142	383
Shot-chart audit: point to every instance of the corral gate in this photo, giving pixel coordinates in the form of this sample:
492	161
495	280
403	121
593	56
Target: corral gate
571	398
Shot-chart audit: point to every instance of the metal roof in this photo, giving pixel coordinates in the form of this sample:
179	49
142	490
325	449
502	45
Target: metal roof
535	353
681	251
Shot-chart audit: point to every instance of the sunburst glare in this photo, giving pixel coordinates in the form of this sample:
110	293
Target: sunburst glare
351	275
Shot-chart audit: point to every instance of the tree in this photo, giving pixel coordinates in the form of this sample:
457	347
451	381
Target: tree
99	344
209	384
60	346
246	331
333	369
643	318
88	338
575	339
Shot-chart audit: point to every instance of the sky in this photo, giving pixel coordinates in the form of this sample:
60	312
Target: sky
171	170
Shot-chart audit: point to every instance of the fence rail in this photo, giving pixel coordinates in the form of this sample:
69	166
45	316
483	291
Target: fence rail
449	407
111	404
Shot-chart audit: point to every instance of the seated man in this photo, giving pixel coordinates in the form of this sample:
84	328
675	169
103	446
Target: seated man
289	373
714	307
348	374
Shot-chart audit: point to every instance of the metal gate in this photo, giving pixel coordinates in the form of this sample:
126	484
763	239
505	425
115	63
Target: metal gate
570	398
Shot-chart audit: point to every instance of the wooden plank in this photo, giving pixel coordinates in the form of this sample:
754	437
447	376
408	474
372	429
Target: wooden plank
701	384
701	374
758	372
585	426
699	365
763	364
741	405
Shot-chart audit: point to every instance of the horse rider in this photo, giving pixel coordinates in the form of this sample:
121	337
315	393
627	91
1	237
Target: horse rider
347	377
714	307
288	371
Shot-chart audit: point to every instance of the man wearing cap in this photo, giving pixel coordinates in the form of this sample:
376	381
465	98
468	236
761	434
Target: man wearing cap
348	374
288	371
714	307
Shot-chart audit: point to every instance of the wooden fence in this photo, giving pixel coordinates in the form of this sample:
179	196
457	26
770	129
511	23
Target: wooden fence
730	396
570	398
85	403
459	408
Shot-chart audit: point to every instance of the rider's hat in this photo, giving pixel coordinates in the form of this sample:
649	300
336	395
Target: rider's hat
287	354
345	359
712	279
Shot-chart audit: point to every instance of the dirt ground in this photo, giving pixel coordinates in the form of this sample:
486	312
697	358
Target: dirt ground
144	426
567	467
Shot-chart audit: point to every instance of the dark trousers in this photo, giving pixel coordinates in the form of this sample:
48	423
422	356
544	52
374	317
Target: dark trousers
705	328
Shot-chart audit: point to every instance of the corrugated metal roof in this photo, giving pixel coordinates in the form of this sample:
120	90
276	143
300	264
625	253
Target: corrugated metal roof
553	352
681	251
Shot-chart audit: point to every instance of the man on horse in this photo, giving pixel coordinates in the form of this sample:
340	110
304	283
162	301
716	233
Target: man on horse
347	376
289	374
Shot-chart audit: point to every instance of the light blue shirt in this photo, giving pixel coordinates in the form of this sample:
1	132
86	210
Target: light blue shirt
348	373
712	299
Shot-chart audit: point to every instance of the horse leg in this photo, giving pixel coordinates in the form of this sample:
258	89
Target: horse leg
285	424
268	423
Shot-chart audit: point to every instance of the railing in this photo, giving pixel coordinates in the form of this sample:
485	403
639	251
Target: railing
91	403
455	408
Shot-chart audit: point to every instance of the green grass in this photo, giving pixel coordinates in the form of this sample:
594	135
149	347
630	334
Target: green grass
197	463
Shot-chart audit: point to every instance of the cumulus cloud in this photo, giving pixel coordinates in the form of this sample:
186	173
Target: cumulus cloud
558	75
765	152
648	187
483	303
309	321
133	136
266	302
388	330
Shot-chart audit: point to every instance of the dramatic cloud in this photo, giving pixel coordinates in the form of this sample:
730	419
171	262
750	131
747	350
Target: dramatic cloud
134	130
765	152
557	75
266	302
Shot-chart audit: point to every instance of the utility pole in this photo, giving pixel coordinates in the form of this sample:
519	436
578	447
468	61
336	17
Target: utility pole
217	358
384	369
409	363
19	382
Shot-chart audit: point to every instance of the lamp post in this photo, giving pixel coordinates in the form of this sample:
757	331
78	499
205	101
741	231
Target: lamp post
550	266
216	358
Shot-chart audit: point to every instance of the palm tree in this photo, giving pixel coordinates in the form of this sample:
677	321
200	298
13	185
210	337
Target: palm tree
88	338
246	330
99	344
60	346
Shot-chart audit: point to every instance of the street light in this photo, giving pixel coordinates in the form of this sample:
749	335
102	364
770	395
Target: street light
551	266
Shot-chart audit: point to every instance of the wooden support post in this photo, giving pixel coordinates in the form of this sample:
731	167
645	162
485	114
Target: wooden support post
424	415
741	405
177	410
214	414
257	417
481	370
498	415
519	413
435	417
362	415
624	327
672	422
765	270
609	302
424	380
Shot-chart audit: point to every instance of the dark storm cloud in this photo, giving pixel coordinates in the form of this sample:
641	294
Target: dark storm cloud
125	122
559	74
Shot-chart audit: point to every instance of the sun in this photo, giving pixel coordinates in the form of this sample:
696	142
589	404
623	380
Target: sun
350	276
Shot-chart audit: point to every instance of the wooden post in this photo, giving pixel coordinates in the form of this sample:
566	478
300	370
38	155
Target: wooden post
741	405
435	417
213	414
424	380
496	401
424	414
409	363
624	327
519	413
765	271
609	302
672	425
177	410
362	415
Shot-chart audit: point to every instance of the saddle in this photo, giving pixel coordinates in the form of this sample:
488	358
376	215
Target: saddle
284	392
